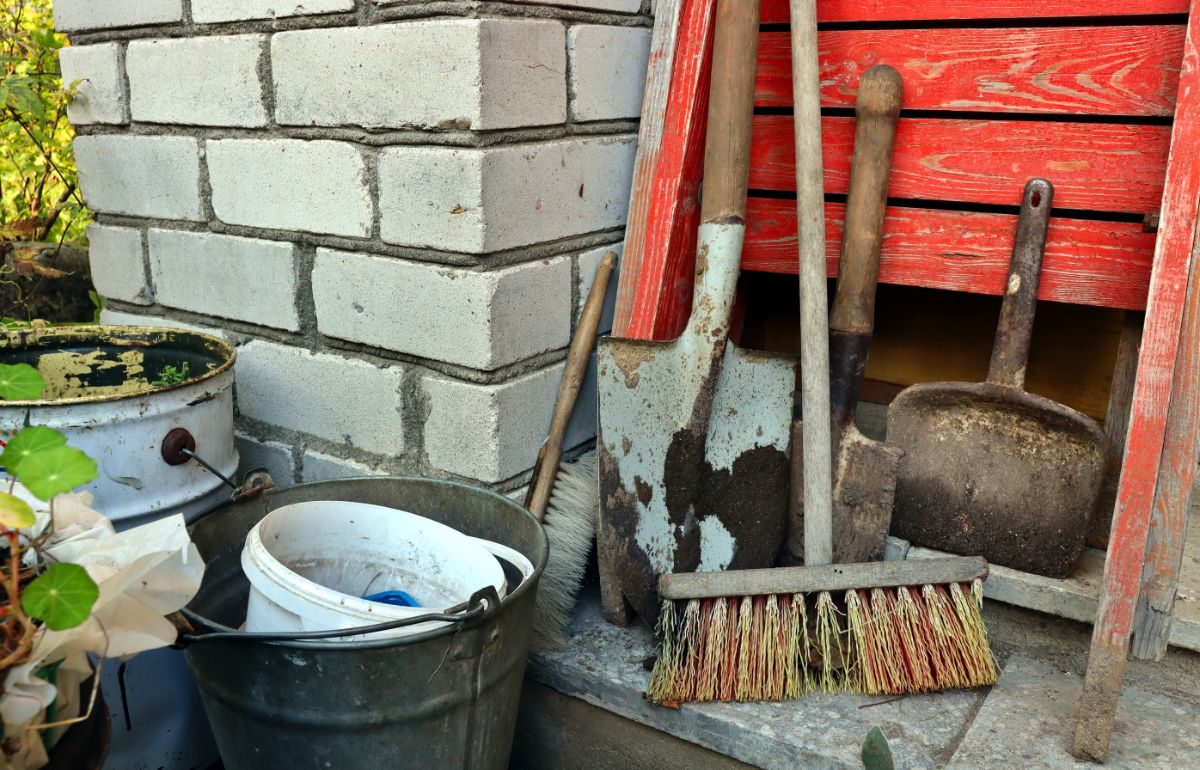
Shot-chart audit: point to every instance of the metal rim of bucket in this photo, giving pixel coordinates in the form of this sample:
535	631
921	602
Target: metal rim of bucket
131	336
511	596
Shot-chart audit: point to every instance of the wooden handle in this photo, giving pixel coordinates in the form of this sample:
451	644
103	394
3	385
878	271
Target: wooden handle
730	110
830	577
1014	332
550	455
876	110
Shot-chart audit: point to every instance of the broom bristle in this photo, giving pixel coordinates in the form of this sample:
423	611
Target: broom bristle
882	641
570	527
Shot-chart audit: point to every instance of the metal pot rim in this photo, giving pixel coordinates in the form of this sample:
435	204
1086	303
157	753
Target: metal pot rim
116	335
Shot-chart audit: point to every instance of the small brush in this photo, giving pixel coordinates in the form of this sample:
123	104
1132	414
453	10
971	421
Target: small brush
880	628
564	496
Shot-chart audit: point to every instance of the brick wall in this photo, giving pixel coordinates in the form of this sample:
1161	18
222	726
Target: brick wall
392	207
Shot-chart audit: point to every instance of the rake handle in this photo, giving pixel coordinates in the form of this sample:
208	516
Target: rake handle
830	577
550	455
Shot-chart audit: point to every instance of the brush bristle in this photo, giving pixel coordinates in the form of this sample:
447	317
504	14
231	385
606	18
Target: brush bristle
875	642
570	527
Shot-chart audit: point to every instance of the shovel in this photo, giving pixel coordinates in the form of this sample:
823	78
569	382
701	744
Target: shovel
694	432
992	470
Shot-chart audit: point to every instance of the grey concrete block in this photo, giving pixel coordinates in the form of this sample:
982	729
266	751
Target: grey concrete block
494	198
247	279
118	264
72	15
1028	721
203	81
445	73
480	319
143	176
291	184
100	95
276	458
608	70
345	400
213	11
317	466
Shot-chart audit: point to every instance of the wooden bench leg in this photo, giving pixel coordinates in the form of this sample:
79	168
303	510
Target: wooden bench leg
1166	370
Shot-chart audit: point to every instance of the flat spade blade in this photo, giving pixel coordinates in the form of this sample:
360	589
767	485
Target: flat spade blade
675	501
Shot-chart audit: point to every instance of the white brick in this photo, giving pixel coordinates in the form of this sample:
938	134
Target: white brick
100	95
608	71
202	81
492	432
291	184
117	318
587	276
70	15
144	176
210	11
276	458
345	400
246	279
323	467
489	199
479	319
118	269
446	73
619	6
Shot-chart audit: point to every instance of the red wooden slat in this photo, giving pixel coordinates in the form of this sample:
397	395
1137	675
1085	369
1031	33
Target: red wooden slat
654	290
1081	70
776	11
1096	167
1090	263
1146	448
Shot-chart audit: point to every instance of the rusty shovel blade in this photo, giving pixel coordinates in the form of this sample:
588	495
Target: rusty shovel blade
693	467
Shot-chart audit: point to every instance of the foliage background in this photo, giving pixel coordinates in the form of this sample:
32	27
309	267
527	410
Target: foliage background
39	197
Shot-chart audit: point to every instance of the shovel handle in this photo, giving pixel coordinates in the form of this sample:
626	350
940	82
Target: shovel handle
1010	352
876	110
730	111
550	455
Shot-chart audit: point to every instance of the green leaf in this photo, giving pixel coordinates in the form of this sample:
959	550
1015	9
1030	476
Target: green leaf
55	471
15	513
30	441
62	597
876	754
20	382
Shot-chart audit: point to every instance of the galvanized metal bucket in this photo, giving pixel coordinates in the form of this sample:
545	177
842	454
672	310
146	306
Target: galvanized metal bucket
441	699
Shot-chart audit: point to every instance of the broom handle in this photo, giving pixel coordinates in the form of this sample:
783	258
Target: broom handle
830	577
550	455
816	452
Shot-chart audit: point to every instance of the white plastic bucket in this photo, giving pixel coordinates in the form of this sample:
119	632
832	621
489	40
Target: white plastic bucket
310	563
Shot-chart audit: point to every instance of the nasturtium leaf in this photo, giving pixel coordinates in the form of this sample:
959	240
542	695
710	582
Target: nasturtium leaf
62	597
30	441
55	471
876	754
15	513
20	382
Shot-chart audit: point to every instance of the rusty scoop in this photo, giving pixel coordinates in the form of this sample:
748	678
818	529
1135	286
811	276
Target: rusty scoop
989	469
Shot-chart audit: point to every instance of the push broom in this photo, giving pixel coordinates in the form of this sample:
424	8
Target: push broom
563	496
876	628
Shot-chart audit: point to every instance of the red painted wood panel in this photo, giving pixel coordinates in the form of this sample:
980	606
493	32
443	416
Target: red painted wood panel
776	11
1087	262
655	286
1095	167
1079	70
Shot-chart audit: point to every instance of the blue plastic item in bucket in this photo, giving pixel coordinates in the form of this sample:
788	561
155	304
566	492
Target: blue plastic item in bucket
394	598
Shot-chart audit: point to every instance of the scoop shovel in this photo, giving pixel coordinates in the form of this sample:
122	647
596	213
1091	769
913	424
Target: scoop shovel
992	470
694	432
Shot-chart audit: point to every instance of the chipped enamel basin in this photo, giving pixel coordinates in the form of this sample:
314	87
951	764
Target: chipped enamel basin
100	393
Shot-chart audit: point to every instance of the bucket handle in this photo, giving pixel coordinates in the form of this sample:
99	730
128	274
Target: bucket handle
482	603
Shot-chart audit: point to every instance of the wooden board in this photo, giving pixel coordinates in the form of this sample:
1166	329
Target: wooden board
1086	262
776	11
1148	436
654	290
1131	70
1094	167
